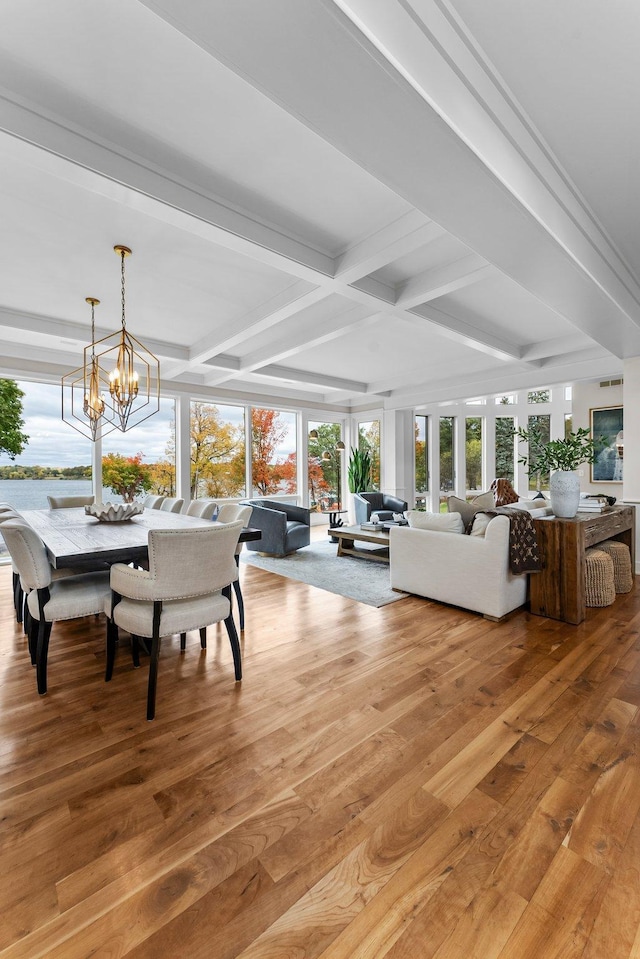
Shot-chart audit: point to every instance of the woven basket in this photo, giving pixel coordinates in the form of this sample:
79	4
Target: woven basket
599	587
622	574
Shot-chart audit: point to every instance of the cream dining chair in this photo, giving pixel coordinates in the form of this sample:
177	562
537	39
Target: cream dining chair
70	502
181	591
202	508
172	505
50	600
232	513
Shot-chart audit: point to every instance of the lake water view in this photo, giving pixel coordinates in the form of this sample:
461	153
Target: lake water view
32	494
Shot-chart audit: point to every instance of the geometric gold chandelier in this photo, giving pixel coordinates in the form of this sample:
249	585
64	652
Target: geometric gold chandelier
118	386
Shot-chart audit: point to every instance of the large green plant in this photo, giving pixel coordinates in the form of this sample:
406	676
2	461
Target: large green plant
566	454
359	471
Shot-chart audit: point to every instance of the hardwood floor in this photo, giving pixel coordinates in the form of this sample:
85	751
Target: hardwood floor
410	782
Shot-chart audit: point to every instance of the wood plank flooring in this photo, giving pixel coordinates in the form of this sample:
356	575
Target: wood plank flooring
411	782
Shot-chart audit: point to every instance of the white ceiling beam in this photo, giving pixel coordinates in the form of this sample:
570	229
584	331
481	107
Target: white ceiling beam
443	280
409	233
319	379
554	347
78	333
263	317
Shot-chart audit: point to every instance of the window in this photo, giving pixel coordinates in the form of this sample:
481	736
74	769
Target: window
369	439
217	451
542	427
568	424
154	442
421	458
505	447
505	400
473	453
325	467
447	464
539	396
273	452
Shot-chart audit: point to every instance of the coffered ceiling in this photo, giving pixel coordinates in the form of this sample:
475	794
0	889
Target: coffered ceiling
348	203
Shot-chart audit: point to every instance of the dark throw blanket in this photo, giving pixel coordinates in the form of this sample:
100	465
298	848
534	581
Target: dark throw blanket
524	556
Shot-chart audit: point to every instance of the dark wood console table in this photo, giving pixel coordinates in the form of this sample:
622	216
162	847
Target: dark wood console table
558	590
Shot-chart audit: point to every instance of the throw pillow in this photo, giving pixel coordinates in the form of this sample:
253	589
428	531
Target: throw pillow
504	493
469	510
444	522
480	523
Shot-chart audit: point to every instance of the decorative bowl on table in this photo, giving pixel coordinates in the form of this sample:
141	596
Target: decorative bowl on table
113	512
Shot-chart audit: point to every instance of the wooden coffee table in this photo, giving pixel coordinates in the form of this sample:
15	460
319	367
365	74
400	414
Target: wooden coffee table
348	536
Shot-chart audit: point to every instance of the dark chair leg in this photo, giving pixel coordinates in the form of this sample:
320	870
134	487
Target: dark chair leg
153	665
112	642
42	653
183	642
235	646
135	651
238	591
203	637
33	638
19	602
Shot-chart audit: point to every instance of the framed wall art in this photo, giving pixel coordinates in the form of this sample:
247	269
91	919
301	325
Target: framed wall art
606	430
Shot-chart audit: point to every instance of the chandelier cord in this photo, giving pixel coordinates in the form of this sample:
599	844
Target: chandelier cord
122	256
93	333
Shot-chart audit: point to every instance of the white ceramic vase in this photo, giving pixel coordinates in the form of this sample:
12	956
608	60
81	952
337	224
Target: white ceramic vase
564	487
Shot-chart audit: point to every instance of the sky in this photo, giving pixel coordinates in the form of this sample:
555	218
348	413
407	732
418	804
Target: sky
53	443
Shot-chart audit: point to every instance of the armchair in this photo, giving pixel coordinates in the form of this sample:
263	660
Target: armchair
381	503
285	528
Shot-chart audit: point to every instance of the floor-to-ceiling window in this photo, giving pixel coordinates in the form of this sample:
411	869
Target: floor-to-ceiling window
447	457
325	466
539	427
421	459
473	453
505	447
369	439
273	452
217	450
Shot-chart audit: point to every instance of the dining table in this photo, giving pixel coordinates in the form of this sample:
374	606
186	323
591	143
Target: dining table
77	540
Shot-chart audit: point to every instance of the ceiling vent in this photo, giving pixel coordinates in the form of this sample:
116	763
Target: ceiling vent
611	383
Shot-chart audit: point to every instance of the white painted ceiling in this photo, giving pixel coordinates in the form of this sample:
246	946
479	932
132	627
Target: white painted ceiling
350	204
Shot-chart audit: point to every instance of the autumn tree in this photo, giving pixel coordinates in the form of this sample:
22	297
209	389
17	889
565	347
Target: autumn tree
267	433
12	439
217	449
126	475
163	478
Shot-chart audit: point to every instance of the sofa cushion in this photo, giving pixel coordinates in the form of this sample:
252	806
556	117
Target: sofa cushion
469	509
480	523
443	522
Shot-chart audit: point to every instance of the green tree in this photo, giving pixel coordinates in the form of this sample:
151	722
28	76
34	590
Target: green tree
369	441
126	475
12	439
322	474
473	451
505	447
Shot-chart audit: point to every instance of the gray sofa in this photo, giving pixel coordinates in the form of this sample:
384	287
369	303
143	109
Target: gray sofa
381	503
284	527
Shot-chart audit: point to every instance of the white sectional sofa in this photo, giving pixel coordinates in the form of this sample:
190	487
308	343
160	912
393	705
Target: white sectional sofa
468	571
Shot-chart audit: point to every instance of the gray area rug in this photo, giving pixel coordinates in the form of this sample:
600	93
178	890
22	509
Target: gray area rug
361	579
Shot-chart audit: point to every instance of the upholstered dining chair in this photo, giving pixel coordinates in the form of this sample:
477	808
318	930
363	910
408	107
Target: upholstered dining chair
69	502
50	600
172	505
181	591
202	508
153	502
8	512
233	513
